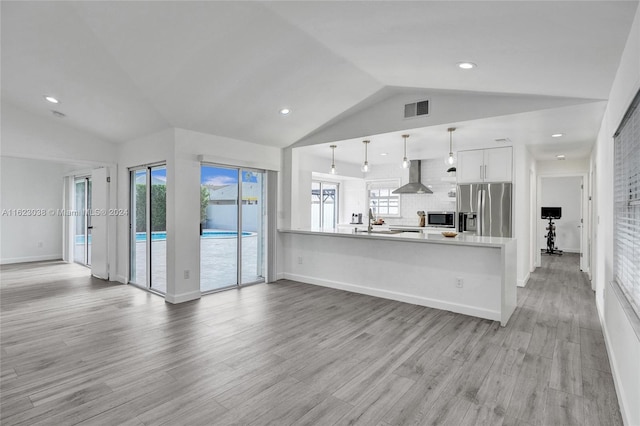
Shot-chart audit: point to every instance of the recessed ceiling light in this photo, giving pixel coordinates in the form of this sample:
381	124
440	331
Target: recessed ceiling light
383	153
560	157
285	111
557	135
466	65
51	99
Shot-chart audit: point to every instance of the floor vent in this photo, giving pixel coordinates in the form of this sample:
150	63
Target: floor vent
416	109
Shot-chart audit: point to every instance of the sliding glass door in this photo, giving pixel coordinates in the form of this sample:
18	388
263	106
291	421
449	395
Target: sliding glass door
82	221
148	231
232	227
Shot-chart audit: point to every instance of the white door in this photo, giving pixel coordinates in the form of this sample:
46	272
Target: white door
583	259
99	210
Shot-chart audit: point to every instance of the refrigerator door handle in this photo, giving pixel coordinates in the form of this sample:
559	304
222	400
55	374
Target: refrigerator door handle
479	214
483	231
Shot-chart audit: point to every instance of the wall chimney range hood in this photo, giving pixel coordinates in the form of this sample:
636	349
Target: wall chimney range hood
414	186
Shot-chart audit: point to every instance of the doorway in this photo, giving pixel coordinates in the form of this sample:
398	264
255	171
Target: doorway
571	230
82	220
232	227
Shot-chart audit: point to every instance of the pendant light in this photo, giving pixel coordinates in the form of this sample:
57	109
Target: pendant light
365	166
406	163
333	159
450	160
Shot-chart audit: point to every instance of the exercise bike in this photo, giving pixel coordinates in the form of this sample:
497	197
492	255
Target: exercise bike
551	213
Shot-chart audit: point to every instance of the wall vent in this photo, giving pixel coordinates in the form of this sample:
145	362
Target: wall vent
416	109
503	140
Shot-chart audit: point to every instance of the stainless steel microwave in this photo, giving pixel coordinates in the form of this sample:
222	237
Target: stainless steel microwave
441	219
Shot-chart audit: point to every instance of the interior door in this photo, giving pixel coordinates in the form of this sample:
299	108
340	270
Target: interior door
99	223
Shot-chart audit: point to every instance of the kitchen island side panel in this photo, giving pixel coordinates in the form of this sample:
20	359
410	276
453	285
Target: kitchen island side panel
419	273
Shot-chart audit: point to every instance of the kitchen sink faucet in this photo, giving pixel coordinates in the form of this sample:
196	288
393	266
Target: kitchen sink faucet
370	228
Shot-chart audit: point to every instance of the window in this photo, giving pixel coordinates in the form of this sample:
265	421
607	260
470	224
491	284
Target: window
382	200
324	205
626	255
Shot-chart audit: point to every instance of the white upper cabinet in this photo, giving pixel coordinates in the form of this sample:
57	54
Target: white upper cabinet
485	165
470	166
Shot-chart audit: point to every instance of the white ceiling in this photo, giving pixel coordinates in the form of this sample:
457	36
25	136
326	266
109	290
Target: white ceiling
127	69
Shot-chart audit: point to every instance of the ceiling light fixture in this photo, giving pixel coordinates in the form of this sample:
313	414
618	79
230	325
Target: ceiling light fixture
383	153
557	135
58	114
451	158
560	157
365	166
466	65
285	111
333	158
51	99
406	163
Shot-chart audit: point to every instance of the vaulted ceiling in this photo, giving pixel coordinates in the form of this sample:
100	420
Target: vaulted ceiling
126	69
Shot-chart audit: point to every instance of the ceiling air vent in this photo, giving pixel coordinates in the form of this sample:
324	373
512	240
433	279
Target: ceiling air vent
416	109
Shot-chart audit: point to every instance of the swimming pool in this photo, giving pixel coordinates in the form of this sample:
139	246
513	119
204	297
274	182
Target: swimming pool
162	236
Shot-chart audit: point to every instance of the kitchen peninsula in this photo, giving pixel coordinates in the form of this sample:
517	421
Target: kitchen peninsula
467	274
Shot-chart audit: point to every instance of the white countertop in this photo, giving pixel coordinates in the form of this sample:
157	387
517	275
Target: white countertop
427	237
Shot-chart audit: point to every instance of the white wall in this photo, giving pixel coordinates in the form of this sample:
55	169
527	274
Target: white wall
564	192
30	184
623	344
352	199
523	165
155	148
576	166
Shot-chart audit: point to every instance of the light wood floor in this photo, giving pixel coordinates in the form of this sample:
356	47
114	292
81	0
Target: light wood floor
77	350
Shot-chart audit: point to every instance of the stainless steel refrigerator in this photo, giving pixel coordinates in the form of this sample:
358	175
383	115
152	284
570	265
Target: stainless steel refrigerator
485	209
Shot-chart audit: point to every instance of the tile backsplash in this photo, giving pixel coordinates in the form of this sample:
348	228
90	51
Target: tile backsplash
354	193
432	173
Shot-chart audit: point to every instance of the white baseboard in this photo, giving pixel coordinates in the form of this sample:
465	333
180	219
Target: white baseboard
26	259
400	297
522	283
120	278
181	298
280	276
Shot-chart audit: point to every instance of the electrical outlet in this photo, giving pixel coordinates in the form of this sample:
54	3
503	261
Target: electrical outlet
299	260
459	282
186	274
